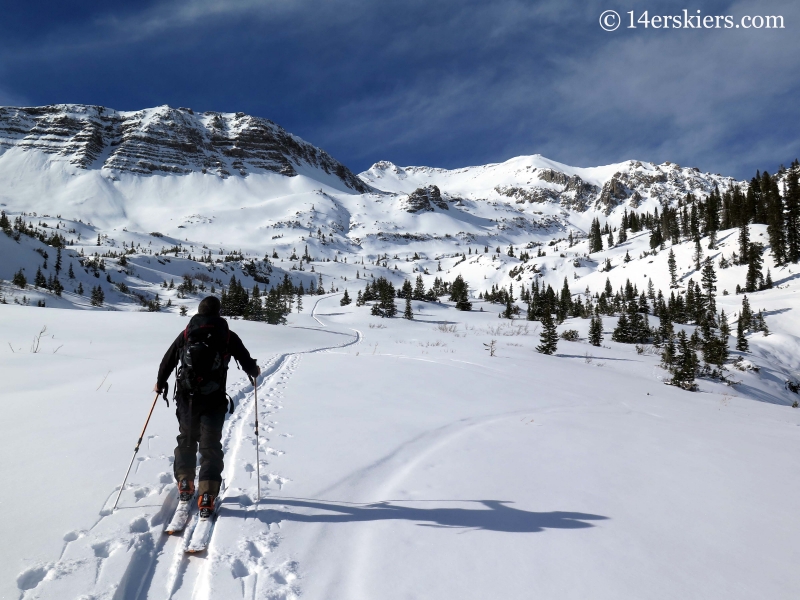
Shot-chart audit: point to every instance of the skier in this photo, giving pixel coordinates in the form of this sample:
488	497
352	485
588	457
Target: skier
202	353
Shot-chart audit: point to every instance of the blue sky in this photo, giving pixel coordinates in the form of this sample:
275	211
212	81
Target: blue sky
436	82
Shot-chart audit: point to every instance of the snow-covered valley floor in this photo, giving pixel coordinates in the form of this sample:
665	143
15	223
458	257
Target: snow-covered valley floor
398	460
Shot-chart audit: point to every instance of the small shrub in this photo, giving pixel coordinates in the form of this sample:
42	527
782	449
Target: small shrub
570	335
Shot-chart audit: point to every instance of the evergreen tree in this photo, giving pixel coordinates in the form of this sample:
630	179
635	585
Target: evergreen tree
622	332
741	338
459	293
685	366
656	237
19	279
755	276
595	237
709	280
5	226
746	314
596	331
744	242
564	301
71	273
300	298
80	289
792	201
58	261
39	280
548	337
673	270
408	313
724	326
345	299
406	291
669	354
97	297
698	254
419	289
775	217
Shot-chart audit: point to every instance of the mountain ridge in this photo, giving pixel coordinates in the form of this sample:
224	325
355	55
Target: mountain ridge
164	140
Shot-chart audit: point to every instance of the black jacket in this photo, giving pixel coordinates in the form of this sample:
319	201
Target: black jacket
235	349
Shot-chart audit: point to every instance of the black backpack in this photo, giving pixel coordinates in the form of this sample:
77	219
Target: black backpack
204	355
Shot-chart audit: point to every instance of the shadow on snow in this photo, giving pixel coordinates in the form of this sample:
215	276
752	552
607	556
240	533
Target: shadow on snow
495	515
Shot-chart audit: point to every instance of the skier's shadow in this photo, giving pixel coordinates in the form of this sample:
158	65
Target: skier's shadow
491	515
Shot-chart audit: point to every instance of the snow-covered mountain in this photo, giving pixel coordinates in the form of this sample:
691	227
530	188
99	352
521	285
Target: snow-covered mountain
163	140
540	181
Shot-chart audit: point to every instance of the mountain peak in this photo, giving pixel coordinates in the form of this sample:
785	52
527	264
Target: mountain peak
164	139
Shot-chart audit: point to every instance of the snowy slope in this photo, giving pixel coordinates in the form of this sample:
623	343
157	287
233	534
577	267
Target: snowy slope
401	462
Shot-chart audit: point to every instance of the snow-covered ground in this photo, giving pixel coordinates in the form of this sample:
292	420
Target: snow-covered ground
399	460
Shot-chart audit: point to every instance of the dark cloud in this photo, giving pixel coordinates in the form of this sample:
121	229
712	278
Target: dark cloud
438	82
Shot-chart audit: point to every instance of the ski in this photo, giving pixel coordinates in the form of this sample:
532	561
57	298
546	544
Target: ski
201	535
204	526
180	518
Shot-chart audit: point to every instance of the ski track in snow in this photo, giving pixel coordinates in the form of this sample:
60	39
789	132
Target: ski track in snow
126	555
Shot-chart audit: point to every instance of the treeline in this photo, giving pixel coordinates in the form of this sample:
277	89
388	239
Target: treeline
270	306
693	218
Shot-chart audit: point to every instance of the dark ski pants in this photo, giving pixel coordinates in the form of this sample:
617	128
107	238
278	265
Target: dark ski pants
200	425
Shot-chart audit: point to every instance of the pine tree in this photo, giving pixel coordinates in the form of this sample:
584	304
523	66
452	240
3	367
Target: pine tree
459	293
596	331
775	217
744	242
406	291
419	289
792	201
345	299
698	254
622	332
741	338
724	326
58	261
548	338
19	279
71	273
595	237
39	280
408	313
668	355
80	289
97	297
673	270
755	276
300	299
746	314
709	280
685	365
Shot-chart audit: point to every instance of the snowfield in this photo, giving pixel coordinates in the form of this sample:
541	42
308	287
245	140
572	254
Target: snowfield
398	459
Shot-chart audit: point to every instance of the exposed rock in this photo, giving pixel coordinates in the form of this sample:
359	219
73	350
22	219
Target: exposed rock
424	199
164	140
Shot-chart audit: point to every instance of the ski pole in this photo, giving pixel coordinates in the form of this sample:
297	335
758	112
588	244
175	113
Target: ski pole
135	450
258	466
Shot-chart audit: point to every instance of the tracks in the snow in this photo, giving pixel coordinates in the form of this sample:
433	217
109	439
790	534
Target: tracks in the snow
126	556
